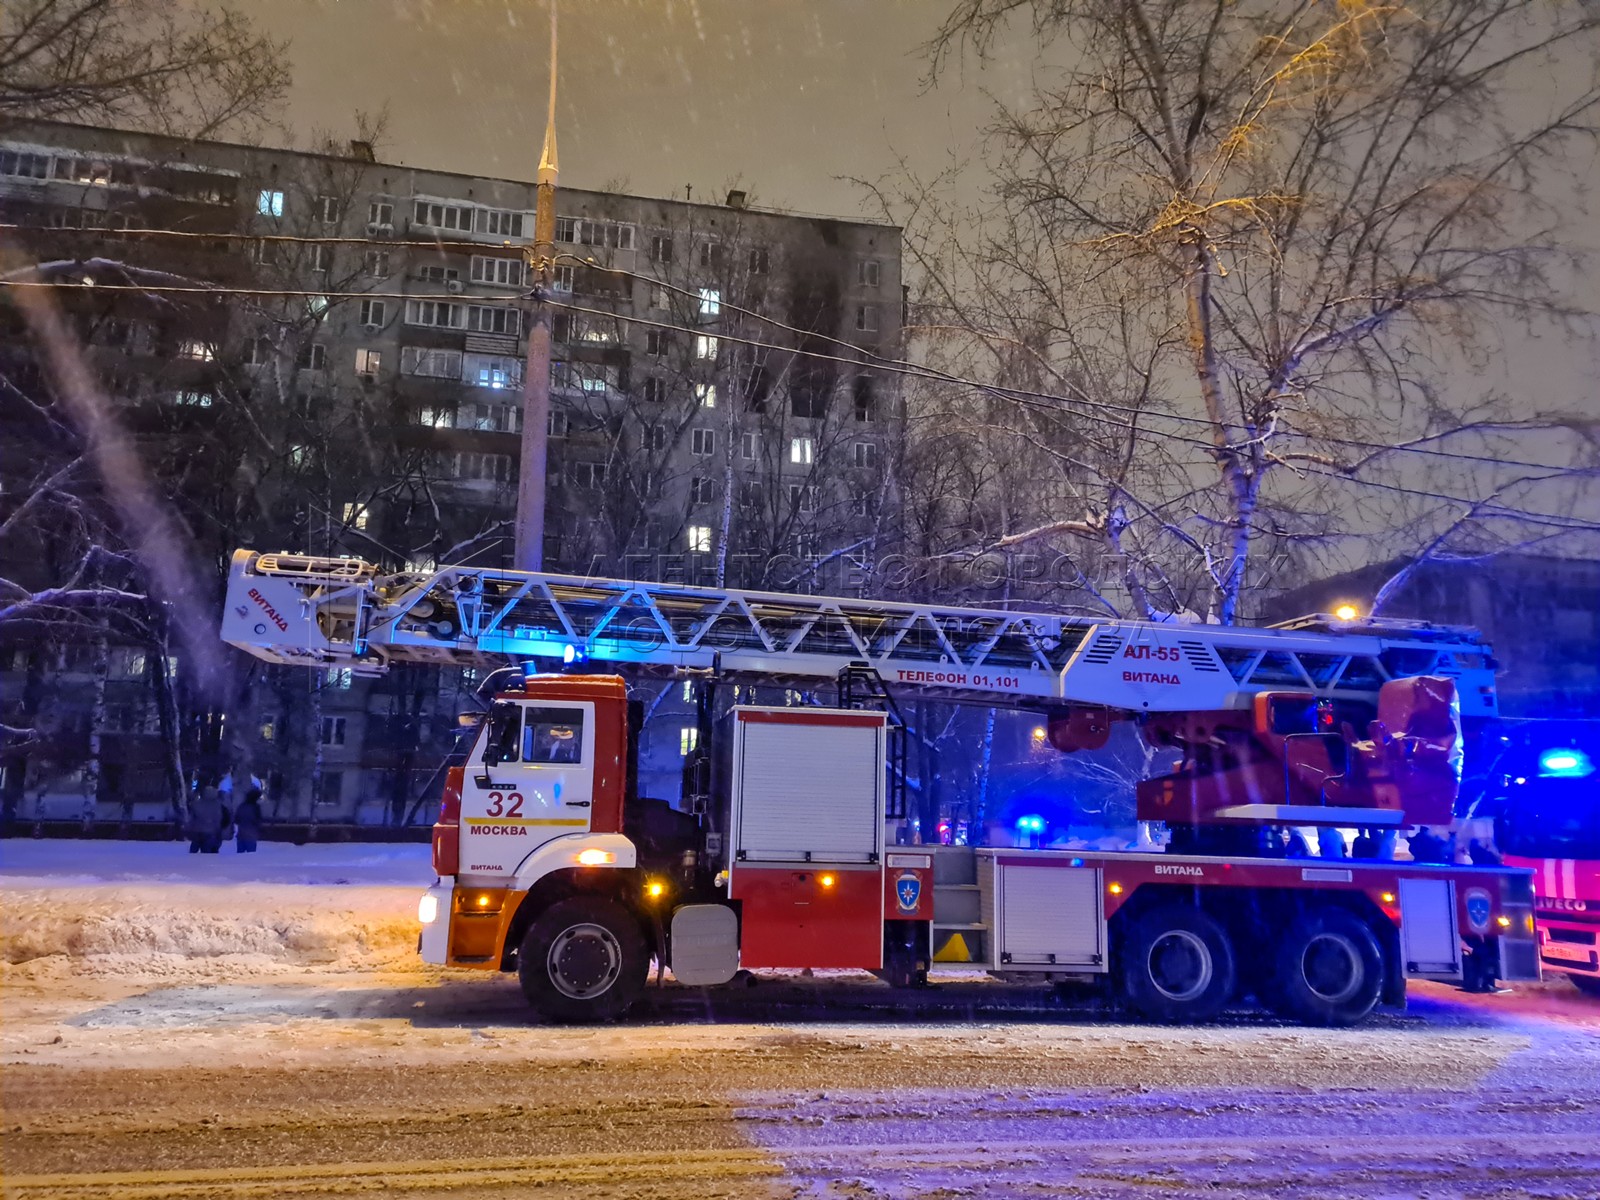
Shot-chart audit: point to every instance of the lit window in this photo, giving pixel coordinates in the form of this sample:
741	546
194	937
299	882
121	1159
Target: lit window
688	739
355	515
269	730
802	450
316	305
688	690
699	539
705	394
270	203
198	351
338	677
368	363
299	455
705	348
710	302
191	399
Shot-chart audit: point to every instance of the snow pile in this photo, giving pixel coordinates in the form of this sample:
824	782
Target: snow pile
152	909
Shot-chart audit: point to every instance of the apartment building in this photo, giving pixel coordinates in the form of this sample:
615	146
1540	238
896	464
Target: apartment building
324	351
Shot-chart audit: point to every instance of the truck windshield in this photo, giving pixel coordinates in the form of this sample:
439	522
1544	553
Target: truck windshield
1552	819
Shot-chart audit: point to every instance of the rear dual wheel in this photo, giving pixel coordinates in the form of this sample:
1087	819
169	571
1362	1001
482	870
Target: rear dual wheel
1329	969
1177	965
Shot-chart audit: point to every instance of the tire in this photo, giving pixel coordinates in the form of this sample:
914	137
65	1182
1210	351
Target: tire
1177	965
583	960
1329	969
1589	985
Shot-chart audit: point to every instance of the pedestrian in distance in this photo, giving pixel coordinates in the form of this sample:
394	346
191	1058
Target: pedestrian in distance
247	822
205	821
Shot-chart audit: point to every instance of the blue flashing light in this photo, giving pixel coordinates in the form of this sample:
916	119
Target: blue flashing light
1565	763
573	654
1031	824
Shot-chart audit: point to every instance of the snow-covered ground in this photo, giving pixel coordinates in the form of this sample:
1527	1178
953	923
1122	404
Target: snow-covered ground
180	1025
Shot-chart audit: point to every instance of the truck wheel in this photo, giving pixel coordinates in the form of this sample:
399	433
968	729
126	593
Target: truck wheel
1589	985
1330	969
584	959
1177	965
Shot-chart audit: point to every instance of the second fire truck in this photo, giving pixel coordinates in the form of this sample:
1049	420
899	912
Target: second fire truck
784	850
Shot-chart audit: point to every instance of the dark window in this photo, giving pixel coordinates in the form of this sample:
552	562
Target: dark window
811	389
866	402
757	387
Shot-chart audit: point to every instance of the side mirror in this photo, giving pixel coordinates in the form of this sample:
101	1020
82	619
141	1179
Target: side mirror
491	756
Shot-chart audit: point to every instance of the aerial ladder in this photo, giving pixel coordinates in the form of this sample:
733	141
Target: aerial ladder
781	853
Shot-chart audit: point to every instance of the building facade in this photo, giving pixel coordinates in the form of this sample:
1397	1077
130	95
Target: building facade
324	352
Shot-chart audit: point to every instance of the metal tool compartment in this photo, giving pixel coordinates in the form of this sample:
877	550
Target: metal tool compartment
808	785
1048	914
1429	941
807	823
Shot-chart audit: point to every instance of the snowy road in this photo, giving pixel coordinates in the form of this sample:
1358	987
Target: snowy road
192	1029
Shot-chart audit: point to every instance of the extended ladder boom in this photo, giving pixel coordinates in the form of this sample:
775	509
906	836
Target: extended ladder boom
342	612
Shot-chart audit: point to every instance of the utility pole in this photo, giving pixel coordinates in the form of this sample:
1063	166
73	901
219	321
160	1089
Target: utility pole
528	554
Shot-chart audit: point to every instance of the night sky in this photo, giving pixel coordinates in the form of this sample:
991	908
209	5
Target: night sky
787	97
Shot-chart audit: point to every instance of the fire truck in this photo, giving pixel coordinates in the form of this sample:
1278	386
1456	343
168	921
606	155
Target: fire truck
788	847
1540	808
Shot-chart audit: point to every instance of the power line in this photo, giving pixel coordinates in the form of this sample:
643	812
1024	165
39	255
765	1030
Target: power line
863	357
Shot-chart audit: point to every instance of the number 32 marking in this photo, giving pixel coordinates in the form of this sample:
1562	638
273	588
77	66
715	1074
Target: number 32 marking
502	805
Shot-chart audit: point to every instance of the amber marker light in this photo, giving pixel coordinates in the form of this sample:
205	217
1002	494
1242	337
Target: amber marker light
825	880
1115	889
595	858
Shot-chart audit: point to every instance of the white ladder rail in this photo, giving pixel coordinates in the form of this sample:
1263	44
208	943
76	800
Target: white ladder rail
296	609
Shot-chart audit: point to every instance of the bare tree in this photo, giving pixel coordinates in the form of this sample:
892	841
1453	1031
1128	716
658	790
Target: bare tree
1237	267
191	70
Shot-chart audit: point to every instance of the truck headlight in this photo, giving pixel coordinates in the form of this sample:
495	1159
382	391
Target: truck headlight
428	909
